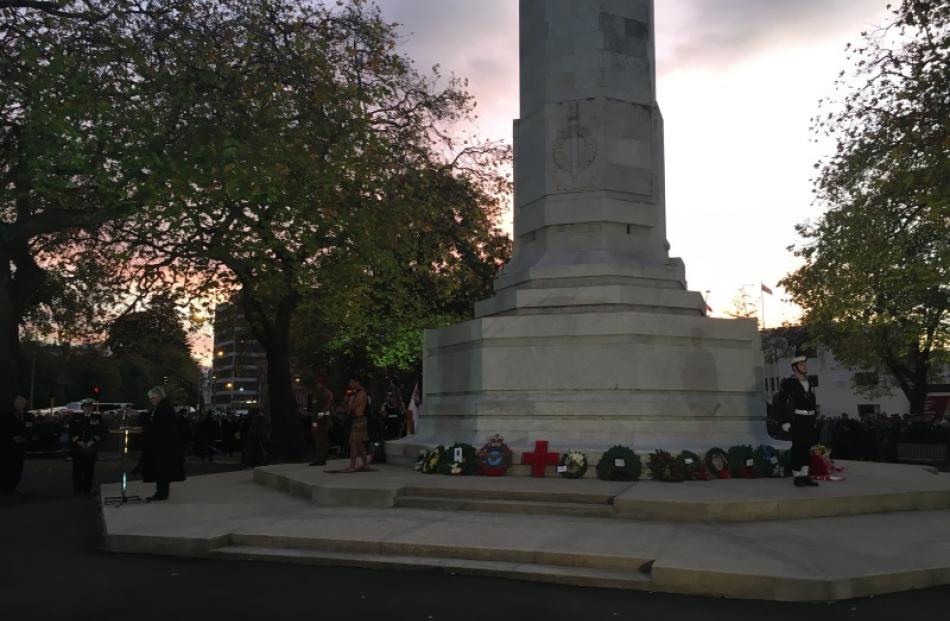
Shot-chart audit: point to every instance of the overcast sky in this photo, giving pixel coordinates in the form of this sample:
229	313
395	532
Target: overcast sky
738	81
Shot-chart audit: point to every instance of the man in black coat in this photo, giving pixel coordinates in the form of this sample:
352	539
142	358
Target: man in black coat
163	456
799	401
14	434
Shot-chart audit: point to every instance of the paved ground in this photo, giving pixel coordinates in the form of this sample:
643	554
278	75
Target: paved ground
51	567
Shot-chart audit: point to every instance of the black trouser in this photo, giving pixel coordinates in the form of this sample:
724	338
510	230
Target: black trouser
11	470
804	436
321	440
161	488
84	467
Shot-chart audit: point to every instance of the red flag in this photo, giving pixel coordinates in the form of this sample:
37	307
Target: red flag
766	289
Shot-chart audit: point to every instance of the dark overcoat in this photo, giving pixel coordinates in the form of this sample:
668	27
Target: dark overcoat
163	455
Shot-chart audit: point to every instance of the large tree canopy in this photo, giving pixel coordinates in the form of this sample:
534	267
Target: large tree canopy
79	133
875	284
306	154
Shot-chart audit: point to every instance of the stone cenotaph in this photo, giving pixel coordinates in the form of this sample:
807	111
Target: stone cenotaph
592	337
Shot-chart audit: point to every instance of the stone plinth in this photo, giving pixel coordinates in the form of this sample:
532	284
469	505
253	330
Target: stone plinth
592	380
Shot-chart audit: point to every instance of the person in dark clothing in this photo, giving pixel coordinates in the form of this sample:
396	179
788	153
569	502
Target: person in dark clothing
15	429
322	421
85	435
205	432
256	451
163	456
799	406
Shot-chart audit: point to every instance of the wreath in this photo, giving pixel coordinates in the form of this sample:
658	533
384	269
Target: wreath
459	458
766	462
741	461
693	467
619	464
433	459
420	460
573	465
664	467
494	458
717	463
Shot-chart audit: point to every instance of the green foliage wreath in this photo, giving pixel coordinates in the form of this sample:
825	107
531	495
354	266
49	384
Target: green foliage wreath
619	464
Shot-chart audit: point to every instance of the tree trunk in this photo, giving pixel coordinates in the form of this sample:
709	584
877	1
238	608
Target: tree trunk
287	434
18	291
11	363
270	324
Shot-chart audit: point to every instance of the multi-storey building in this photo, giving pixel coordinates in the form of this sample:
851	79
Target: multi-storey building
238	372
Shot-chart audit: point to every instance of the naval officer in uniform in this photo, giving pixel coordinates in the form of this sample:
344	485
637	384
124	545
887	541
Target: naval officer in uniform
799	405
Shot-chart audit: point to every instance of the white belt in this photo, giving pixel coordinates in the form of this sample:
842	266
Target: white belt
805	412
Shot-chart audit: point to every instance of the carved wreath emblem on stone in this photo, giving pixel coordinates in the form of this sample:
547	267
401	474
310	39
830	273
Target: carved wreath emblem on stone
574	148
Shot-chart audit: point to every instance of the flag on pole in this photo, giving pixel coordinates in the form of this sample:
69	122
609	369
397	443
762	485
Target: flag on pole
766	289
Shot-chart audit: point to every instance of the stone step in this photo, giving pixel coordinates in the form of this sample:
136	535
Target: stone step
445	503
538	495
562	574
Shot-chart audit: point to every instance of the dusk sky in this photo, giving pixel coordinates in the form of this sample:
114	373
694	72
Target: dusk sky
738	81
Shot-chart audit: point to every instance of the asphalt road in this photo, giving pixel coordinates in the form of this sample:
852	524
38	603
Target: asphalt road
52	567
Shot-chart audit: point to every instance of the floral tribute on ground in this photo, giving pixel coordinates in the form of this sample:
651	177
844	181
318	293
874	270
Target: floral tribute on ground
820	466
573	465
494	458
619	463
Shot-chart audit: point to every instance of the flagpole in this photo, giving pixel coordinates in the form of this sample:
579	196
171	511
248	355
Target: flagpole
762	298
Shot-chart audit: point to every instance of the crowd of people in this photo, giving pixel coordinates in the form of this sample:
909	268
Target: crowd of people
349	426
875	437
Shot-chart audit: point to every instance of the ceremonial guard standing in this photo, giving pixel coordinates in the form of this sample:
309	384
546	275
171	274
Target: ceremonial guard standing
798	400
85	434
322	419
16	427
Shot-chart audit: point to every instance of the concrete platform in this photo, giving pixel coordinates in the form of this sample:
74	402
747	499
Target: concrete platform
812	559
867	488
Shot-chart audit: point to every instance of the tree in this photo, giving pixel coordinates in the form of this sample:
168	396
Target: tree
445	261
79	132
302	155
151	345
875	283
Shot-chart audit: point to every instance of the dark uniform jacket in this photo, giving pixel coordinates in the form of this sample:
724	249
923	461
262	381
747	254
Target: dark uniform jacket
11	426
793	396
84	428
163	456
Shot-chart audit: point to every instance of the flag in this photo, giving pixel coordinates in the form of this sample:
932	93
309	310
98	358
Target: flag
766	289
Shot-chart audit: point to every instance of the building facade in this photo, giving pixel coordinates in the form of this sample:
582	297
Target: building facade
841	389
238	373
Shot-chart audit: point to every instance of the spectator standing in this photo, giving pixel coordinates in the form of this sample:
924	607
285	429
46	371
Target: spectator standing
15	428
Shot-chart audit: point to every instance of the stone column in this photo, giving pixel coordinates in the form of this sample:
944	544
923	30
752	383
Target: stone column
589	189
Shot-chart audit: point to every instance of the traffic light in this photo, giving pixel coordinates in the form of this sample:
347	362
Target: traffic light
95	391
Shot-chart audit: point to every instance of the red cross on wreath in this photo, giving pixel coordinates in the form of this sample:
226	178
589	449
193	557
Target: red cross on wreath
540	458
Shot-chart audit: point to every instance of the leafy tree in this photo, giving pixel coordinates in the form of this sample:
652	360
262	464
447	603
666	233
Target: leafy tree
152	346
79	132
445	261
875	284
306	147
